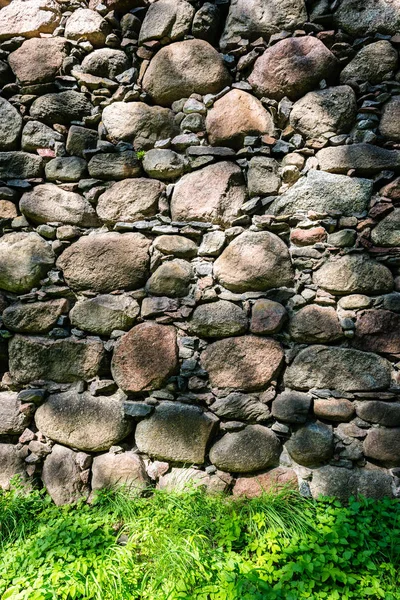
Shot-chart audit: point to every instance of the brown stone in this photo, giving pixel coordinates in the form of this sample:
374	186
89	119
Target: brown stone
378	331
8	209
383	445
390	119
35	317
125	469
130	200
38	60
267	317
382	413
313	324
29	18
172	278
333	409
62	477
247	363
145	357
270	482
354	274
308	237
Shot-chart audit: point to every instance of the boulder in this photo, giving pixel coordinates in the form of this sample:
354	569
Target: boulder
363	159
145	357
181	479
315	324
12	464
38	60
389	125
50	203
378	331
35	317
292	67
184	68
20	165
114	165
66	169
25	259
333	109
214	193
234	116
267	317
354	274
387	232
343	483
11	121
381	413
13	419
163	164
106	62
172	278
246	363
383	445
87	25
263	176
29	18
178	245
62	108
125	469
363	17
105	313
61	476
251	19
291	407
176	432
106	262
334	409
65	360
265	483
373	63
138	123
130	200
254	448
167	21
324	192
311	445
88	423
38	135
254	261
218	319
338	368
241	407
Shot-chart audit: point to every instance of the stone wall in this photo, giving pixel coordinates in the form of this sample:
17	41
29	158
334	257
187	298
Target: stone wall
200	251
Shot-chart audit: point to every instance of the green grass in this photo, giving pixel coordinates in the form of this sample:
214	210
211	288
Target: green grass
197	547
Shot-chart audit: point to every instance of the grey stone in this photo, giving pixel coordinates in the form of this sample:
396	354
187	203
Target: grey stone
104	313
389	123
20	165
80	139
163	164
291	407
365	159
29	18
11	125
374	63
116	165
13	419
206	23
88	25
314	323
387	232
125	469
12	464
172	278
218	319
212	243
63	107
311	445
61	476
184	479
343	483
267	317
178	245
382	413
106	62
263	178
38	135
342	239
241	407
354	274
361	17
383	445
70	168
166	20
130	200
35	317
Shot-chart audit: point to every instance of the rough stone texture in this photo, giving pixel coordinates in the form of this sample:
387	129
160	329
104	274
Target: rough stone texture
106	261
365	159
130	200
354	274
374	63
88	423
172	278
145	357
106	62
323	192
234	116
337	368
182	68
13	420
105	313
163	164
50	203
25	259
20	165
343	483
381	413
38	60
389	124
291	407
111	470
215	193
378	331
65	360
179	480
252	449
360	17
37	135
267	317
63	108
62	477
11	121
334	409
263	176
35	317
252	19
331	110
178	245
68	169
29	18
270	482
242	407
12	464
177	432
138	123
231	362
387	232
218	319
254	261
315	324
383	445
166	20
292	67
88	25
311	445
119	165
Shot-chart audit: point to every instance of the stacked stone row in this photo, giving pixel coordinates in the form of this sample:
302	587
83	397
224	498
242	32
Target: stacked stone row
200	250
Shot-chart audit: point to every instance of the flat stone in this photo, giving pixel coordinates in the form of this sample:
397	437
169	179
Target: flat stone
267	317
334	409
49	203
311	445
29	18
378	331
13	419
106	262
389	123
12	464
315	324
65	360
11	126
343	369
20	165
292	67
88	423
61	476
364	159
362	17
387	232
35	317
343	483
178	245
291	407
214	193
25	258
182	68
308	237
265	483
263	176
105	313
62	107
163	164
218	319
381	413
38	60
234	116
373	63
241	407
112	470
66	169
184	479
383	445
115	165
176	432
145	357
88	25
256	261
172	278
254	448
38	135
231	362
130	200
322	192
166	20
354	274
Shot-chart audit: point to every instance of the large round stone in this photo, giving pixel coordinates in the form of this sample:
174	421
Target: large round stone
88	25
215	193
387	232
25	259
130	200
245	363
383	445
252	449
363	17
63	108
82	421
61	476
378	331
218	319
374	63
145	357
106	62
343	483
29	18
234	116
38	60
315	324
105	313
106	262
381	413
255	261
176	432
125	469
311	445
11	125
292	68
354	274
172	278
389	125
184	68
343	369
50	203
